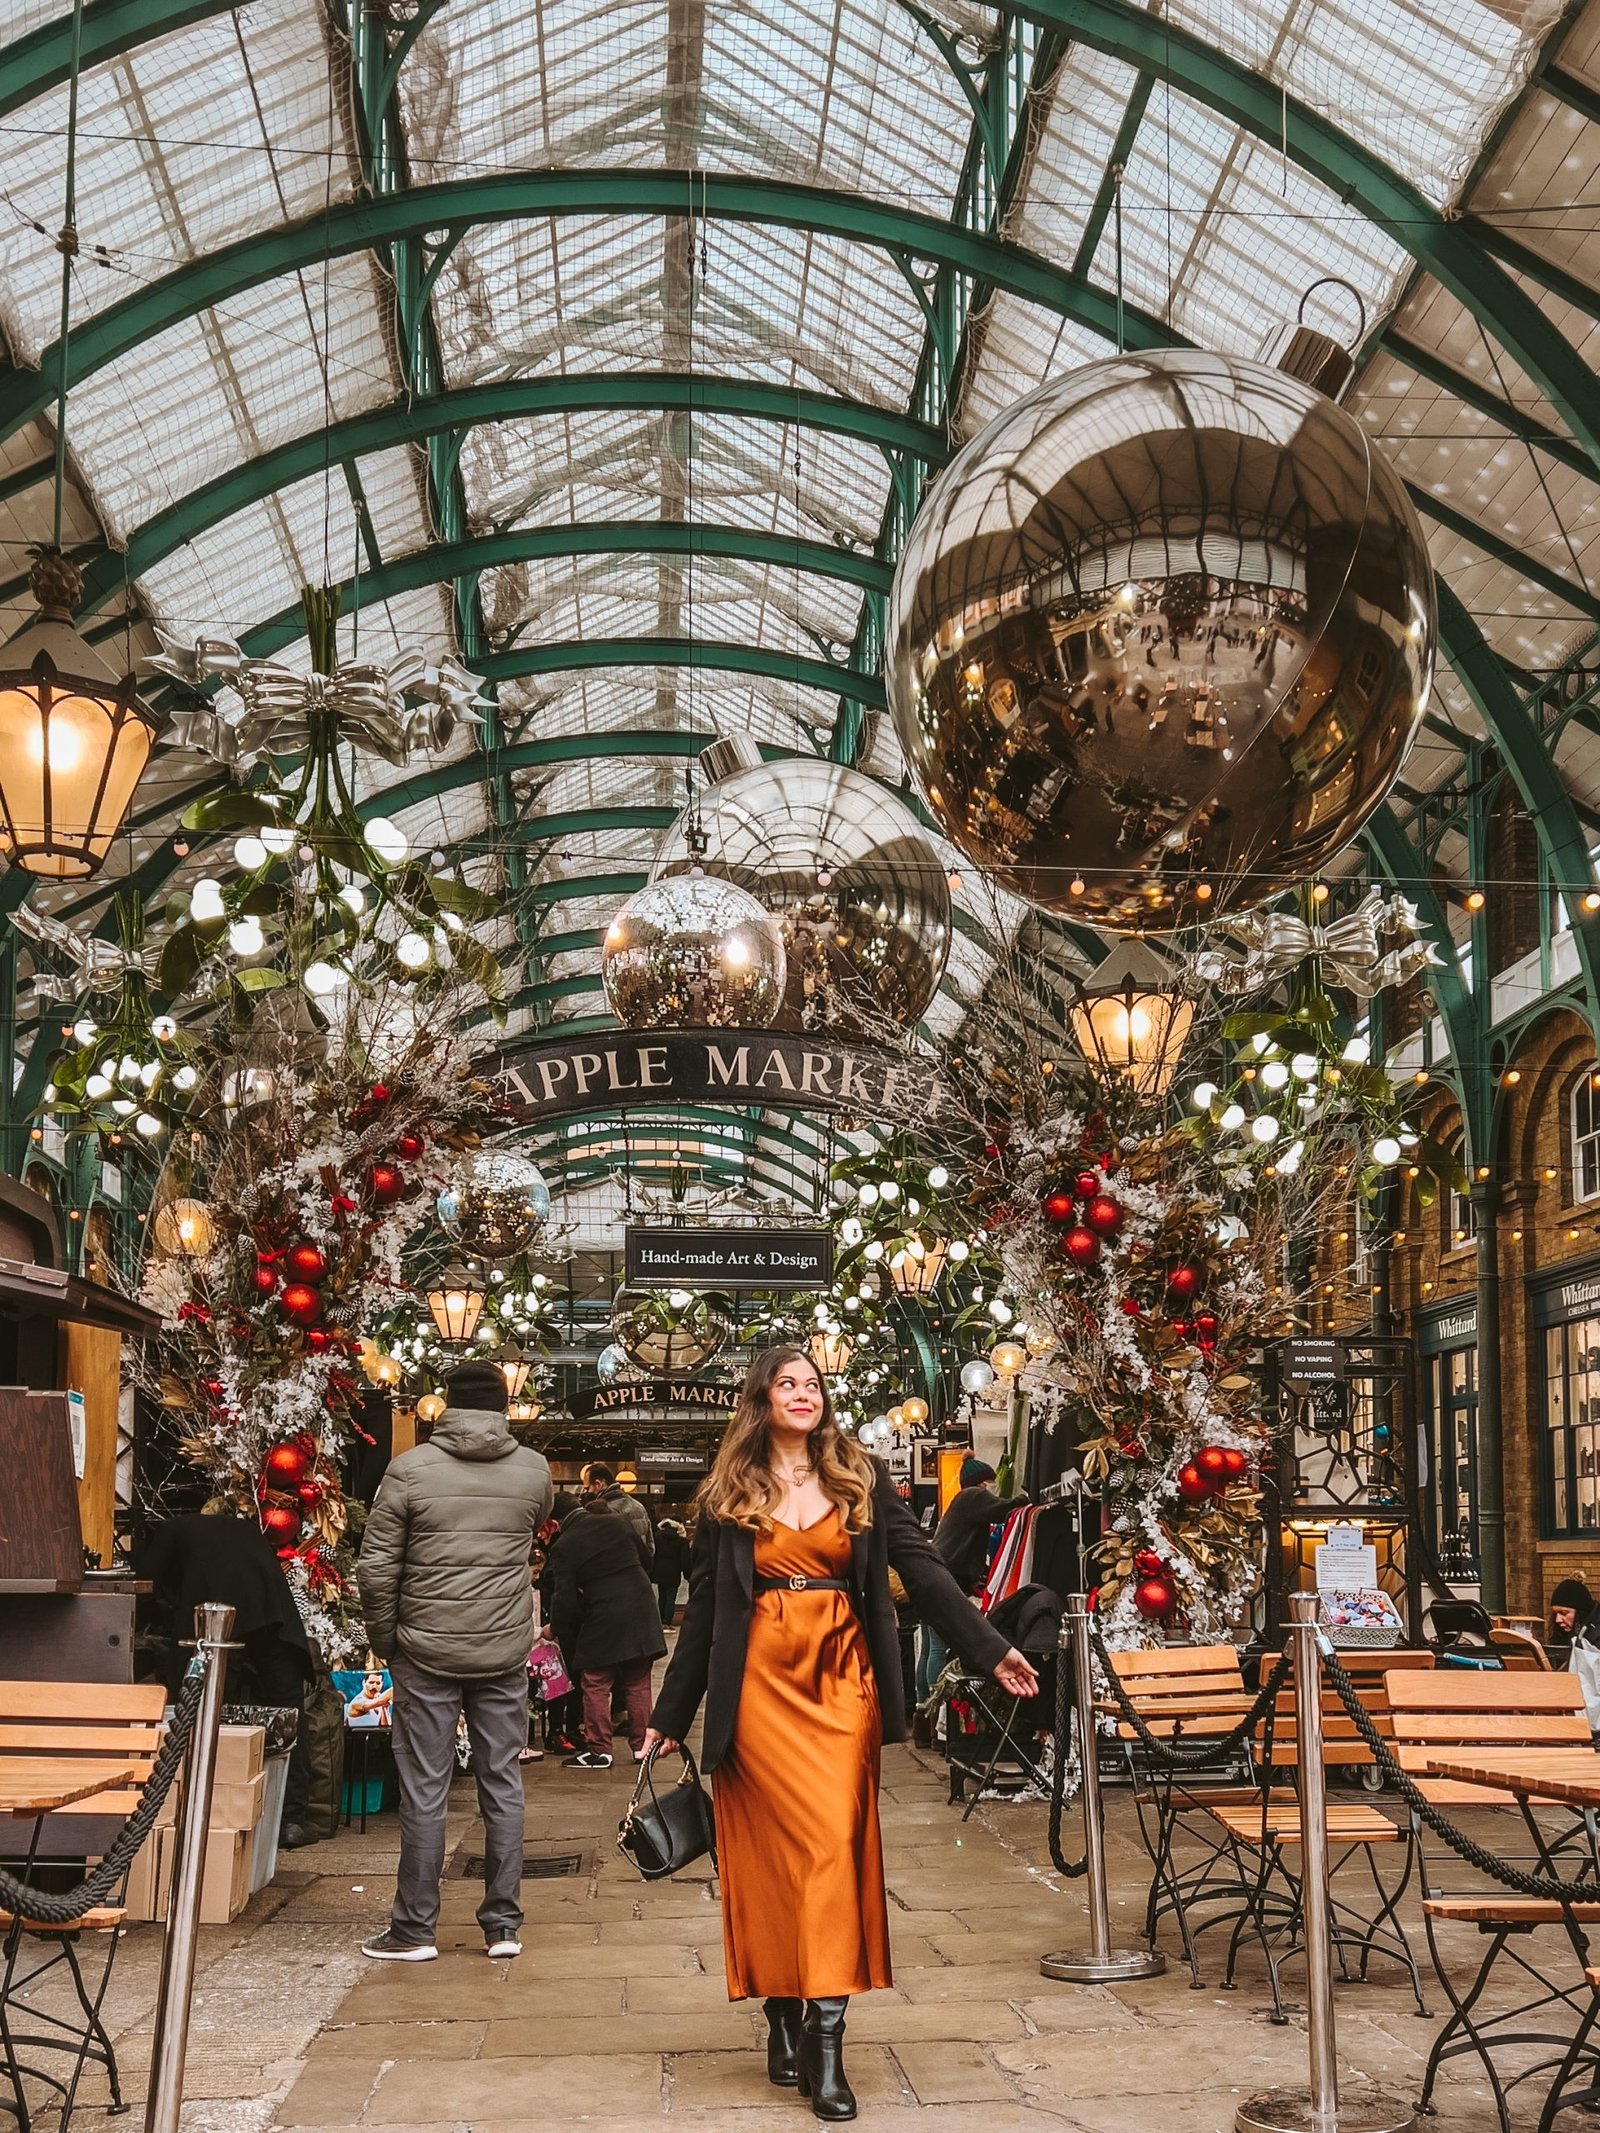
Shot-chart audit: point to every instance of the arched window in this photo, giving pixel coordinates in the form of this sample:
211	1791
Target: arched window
1461	1217
1586	1136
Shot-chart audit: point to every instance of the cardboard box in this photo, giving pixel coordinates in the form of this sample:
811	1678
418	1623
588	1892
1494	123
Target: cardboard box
224	1882
235	1806
241	1751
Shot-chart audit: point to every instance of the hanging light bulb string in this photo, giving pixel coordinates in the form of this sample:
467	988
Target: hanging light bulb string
67	246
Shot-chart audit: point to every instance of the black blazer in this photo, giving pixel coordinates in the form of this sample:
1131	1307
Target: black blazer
709	1661
603	1607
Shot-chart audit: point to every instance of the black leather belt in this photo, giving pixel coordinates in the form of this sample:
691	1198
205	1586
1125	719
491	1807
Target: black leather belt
802	1584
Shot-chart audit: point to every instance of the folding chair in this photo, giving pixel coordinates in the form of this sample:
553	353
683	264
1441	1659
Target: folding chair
1431	1714
82	1722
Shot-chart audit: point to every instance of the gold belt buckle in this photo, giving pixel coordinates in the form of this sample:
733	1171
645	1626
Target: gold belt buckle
798	1584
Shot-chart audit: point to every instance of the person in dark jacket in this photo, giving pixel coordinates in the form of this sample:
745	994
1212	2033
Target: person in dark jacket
1572	1619
600	1482
790	1640
672	1560
962	1535
607	1623
444	1586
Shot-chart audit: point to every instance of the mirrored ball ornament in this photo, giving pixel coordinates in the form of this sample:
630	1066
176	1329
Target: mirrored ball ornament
1161	638
695	952
668	1339
502	1208
858	891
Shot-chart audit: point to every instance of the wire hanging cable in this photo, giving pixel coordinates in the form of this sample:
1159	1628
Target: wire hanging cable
67	246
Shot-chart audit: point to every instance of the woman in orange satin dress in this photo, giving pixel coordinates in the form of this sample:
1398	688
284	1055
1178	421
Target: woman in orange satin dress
790	1639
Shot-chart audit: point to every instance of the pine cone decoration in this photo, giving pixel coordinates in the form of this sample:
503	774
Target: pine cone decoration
56	580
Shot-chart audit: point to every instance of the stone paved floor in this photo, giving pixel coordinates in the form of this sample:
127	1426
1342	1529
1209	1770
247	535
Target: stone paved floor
616	2014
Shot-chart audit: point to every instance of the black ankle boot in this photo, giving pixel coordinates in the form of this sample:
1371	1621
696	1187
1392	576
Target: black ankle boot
783	2042
822	2075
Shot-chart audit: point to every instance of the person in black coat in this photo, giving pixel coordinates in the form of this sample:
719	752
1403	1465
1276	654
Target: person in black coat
672	1560
607	1622
790	1640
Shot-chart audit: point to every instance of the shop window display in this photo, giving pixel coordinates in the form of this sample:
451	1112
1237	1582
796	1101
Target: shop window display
1572	1388
1586	1138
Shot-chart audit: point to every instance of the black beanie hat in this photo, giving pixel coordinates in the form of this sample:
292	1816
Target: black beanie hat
1574	1593
475	1384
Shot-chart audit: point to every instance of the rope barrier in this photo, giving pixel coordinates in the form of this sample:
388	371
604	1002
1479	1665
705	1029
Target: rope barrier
1475	1855
1215	1745
49	1907
1069	1869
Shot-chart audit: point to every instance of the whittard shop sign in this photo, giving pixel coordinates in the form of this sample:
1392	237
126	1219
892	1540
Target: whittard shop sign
614	1069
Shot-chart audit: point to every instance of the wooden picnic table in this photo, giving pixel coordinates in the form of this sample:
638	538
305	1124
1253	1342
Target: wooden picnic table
1568	1774
39	1784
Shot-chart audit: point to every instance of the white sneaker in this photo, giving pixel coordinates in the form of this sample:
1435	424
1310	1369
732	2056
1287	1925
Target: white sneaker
505	1945
384	1948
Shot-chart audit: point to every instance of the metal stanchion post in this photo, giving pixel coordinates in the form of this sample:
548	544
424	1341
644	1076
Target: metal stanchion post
1317	2109
213	1626
1100	1964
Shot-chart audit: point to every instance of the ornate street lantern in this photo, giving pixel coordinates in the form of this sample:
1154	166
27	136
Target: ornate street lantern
456	1306
1131	1019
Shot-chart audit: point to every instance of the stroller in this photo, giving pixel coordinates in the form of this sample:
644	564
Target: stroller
989	1734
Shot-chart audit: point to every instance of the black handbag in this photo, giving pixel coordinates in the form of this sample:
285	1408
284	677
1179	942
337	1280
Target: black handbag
666	1832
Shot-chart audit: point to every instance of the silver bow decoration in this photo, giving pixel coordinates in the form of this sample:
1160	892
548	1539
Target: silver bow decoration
1369	948
390	711
96	966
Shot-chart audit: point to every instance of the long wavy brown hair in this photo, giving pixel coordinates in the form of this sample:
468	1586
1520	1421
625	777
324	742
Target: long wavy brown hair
741	1487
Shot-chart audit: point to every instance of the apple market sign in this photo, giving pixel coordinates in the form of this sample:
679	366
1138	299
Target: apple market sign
615	1069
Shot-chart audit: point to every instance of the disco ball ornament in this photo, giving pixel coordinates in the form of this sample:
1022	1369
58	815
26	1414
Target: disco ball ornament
695	952
859	893
500	1210
669	1334
1161	638
610	1364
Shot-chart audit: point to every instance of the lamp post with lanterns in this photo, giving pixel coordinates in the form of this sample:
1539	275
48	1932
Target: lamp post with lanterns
1131	1018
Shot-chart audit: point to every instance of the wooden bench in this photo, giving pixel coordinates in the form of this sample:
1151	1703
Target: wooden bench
88	1729
1431	1714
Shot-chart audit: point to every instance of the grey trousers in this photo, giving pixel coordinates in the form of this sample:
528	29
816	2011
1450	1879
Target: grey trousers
426	1708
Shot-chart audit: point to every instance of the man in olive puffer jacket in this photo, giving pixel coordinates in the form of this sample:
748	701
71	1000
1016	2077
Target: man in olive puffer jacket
449	1604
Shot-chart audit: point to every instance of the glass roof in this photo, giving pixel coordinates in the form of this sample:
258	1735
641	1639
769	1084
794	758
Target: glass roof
1105	179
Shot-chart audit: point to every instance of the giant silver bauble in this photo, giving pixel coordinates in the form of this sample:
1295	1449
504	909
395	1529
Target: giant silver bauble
665	1339
696	952
502	1208
1161	638
858	891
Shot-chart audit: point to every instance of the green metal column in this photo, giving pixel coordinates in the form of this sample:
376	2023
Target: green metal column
1491	1448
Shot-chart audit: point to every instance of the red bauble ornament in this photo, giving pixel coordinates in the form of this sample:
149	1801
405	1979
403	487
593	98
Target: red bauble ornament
1213	1465
385	1182
301	1303
285	1466
264	1281
310	1492
1205	1329
1183	1281
1060	1206
1193	1486
1234	1463
380	1092
280	1523
410	1145
1103	1215
1147	1564
1132	1306
1086	1184
1081	1245
307	1262
1155	1598
214	1388
319	1340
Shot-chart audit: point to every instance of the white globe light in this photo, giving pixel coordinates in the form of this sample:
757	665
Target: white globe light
250	853
1260	1042
1386	1149
977	1376
245	936
889	1192
1205	1095
1358	1051
1305	1066
1264	1129
185	1077
352	899
98	1086
277	840
84	1030
163	1029
205	901
874	1250
123	1106
150	1073
1275	1075
850	1230
129	1069
868	1195
959	1250
412	950
321	979
913	1205
1289	1161
938	1178
1000	1311
388	842
148	1124
1233	1118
